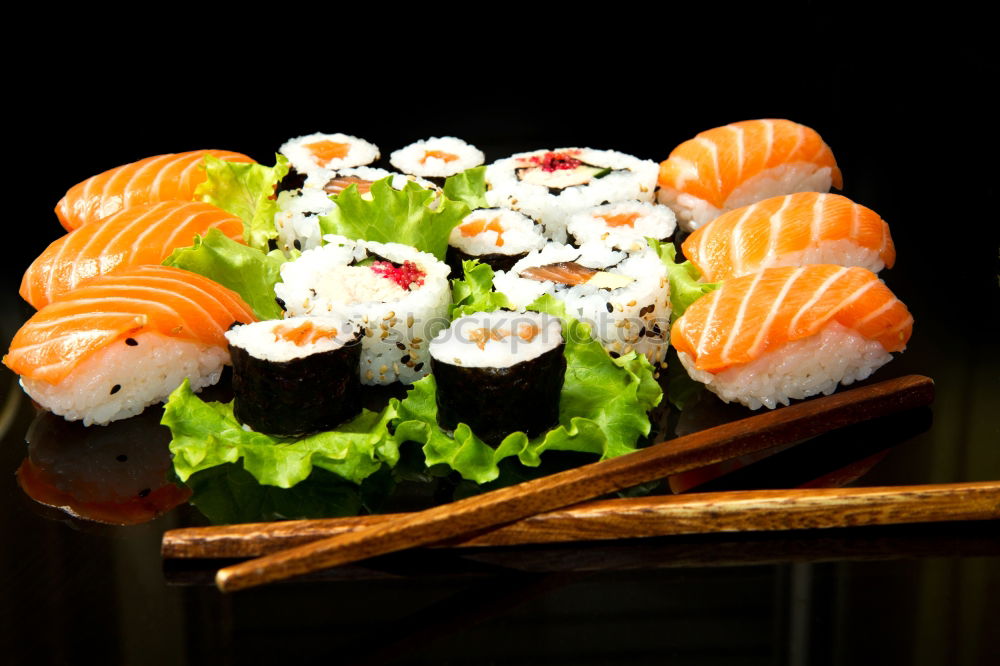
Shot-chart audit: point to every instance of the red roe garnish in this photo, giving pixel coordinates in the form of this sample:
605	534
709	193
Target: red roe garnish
405	275
552	161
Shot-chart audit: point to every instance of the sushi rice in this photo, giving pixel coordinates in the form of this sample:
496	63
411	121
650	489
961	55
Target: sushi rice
635	317
398	323
549	186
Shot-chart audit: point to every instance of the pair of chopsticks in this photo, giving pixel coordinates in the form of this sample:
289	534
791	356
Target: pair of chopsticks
478	515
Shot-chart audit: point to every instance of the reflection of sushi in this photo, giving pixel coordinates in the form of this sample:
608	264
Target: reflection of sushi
791	230
735	165
119	342
143	234
159	178
499	372
790	332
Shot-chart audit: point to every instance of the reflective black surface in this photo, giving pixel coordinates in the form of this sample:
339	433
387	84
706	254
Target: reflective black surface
75	591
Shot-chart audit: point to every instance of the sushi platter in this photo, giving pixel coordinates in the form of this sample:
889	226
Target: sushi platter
526	334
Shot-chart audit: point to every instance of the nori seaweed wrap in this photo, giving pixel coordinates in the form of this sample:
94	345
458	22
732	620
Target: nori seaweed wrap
297	376
499	372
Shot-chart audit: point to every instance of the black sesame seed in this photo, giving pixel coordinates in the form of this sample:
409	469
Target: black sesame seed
405	359
281	303
614	354
144	492
116	388
610	307
417	367
401	346
131	342
297	244
121	457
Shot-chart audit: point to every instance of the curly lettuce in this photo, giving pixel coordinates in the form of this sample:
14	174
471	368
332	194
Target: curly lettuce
603	404
413	216
207	434
247	190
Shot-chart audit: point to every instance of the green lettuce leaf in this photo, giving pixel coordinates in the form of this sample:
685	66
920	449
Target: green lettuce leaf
414	216
206	434
602	409
685	288
474	291
247	191
468	187
246	270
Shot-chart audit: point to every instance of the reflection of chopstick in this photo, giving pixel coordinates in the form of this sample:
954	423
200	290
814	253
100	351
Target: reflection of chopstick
506	505
734	511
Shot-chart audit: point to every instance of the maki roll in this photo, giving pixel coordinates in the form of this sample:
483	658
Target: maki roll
499	237
397	294
622	226
317	152
297	221
437	158
296	376
499	372
551	185
624	298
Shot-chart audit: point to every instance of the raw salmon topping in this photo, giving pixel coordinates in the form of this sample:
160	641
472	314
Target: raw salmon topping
327	150
305	333
476	227
438	154
481	336
341	183
563	272
406	275
620	220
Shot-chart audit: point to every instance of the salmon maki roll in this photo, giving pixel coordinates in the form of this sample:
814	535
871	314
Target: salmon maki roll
122	341
143	234
790	332
738	164
791	230
173	176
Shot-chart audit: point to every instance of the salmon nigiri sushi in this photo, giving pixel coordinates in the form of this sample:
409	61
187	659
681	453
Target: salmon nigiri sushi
791	230
738	164
789	332
143	234
122	341
173	176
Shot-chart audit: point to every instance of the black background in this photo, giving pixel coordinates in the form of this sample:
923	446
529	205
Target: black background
907	119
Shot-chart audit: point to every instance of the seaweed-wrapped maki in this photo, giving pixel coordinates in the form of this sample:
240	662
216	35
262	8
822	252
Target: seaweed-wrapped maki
397	294
624	297
437	158
499	372
296	376
551	185
499	237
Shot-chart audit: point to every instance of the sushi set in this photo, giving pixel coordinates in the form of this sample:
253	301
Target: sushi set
511	308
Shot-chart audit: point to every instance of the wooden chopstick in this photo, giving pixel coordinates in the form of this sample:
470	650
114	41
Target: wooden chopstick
506	505
699	513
